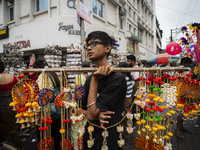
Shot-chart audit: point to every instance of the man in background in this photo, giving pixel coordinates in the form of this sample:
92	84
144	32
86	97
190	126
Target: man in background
131	60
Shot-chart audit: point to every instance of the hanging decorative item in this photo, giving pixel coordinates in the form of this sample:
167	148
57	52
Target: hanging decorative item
79	93
155	96
44	97
90	142
120	141
47	143
105	135
23	96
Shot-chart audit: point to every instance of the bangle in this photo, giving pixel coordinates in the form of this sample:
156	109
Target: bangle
91	104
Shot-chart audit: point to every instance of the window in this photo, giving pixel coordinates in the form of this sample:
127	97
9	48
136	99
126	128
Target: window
129	11
41	5
121	23
140	33
97	8
94	6
100	10
11	13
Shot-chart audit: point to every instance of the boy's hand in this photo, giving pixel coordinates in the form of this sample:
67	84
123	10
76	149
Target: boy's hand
103	116
103	71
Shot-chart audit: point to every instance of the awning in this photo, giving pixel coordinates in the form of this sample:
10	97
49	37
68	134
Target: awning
133	37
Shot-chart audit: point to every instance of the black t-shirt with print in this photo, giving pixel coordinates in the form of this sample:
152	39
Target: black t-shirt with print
111	96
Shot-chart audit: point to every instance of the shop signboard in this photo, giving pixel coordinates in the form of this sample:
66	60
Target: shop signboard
24	44
83	11
69	28
137	52
130	48
4	32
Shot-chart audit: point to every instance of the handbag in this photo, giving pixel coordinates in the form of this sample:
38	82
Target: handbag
55	111
8	146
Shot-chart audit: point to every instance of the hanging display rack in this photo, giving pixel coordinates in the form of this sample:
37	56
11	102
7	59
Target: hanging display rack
91	69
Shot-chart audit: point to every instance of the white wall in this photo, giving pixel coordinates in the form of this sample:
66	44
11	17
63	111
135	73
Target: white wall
42	28
1	13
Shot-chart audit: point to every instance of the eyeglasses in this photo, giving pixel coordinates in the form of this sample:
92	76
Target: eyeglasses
93	44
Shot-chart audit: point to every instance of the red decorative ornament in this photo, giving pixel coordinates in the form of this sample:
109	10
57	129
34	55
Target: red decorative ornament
67	145
155	109
158	107
147	82
16	110
190	108
147	109
173	48
80	143
68	121
43	120
159	79
46	144
151	103
155	80
50	122
161	82
40	128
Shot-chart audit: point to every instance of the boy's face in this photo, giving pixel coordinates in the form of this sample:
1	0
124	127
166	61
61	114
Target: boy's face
96	49
130	63
186	64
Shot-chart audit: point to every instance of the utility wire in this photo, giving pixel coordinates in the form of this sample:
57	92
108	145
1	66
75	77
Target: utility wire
188	4
176	10
183	6
190	11
191	7
184	10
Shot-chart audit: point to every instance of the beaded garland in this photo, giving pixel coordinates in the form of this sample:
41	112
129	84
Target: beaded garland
154	97
24	94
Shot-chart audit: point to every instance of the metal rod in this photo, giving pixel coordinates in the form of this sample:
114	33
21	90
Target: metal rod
91	69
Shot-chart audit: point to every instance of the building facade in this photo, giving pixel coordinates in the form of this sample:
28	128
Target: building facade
37	23
159	33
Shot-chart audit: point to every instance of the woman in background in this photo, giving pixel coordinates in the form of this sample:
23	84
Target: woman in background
8	128
53	84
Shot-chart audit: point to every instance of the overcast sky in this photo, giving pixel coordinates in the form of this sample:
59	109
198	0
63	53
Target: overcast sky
174	14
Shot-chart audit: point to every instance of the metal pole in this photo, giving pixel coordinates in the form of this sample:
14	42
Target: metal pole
82	28
171	36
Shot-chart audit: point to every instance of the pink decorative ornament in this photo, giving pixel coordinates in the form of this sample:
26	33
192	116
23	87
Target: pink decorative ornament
196	52
173	48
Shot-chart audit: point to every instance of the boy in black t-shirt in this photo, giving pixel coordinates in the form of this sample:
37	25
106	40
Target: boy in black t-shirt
104	91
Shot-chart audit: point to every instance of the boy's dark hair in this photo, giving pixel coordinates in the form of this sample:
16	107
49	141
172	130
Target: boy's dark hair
163	65
124	64
131	57
103	36
41	63
2	66
186	60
